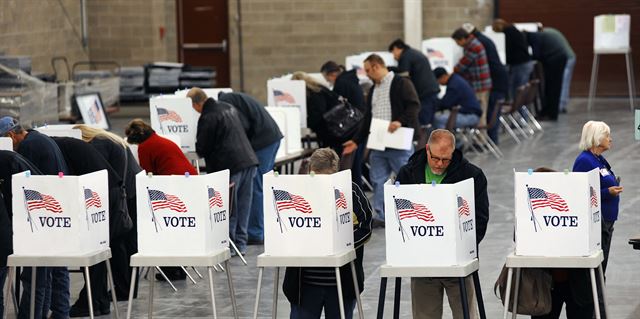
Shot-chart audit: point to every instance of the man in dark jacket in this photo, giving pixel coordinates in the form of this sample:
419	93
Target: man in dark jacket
393	98
83	158
347	85
518	57
223	143
459	93
309	290
417	65
264	135
499	76
6	246
40	150
441	163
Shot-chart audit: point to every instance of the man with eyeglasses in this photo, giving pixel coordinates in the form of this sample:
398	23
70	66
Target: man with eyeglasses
441	163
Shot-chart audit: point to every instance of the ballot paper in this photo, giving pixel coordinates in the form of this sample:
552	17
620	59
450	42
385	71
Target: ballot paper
380	137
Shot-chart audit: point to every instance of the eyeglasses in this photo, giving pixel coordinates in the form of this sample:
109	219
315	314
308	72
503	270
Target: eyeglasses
438	159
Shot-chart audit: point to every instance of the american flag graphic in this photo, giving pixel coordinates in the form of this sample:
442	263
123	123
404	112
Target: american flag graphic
407	209
341	202
161	200
215	199
539	199
285	200
432	53
36	200
283	97
91	199
463	207
167	115
594	197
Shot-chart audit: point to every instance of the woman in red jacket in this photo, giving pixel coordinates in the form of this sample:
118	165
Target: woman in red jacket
159	156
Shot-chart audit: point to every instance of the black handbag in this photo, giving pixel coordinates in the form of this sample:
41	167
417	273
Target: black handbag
343	120
120	222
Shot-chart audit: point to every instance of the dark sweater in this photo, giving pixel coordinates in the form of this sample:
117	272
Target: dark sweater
259	126
460	92
587	161
516	45
419	68
348	86
43	152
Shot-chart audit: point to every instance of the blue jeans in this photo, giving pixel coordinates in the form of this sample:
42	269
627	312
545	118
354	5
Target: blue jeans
519	75
239	220
427	109
566	83
266	158
3	276
52	292
383	163
315	298
462	120
494	96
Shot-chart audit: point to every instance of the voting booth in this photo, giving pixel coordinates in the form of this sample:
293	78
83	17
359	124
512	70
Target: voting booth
442	52
182	215
430	225
289	93
288	121
557	214
308	215
611	32
60	130
60	215
175	115
498	38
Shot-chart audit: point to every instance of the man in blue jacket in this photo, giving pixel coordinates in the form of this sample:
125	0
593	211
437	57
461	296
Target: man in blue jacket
459	93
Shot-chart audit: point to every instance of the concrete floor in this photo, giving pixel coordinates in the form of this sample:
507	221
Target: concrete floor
555	148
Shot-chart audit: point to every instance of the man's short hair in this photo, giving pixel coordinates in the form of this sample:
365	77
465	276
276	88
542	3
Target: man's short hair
398	44
460	34
441	135
330	67
197	95
324	161
375	59
439	71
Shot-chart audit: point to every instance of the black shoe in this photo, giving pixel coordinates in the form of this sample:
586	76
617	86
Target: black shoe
172	275
75	312
377	223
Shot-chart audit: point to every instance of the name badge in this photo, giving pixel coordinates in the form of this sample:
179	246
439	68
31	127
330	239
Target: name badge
604	172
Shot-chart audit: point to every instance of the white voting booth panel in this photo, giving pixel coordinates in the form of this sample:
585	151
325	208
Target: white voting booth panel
134	151
307	215
357	62
557	214
527	26
290	128
611	32
500	41
175	115
210	92
289	93
430	226
6	144
317	76
60	130
442	52
60	216
183	215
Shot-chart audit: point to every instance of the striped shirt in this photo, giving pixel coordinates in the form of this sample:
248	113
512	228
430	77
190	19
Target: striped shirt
381	99
474	65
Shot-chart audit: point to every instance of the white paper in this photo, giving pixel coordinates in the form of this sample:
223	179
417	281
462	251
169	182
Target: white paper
6	144
380	137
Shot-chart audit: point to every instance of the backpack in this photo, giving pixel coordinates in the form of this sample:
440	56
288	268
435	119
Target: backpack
535	291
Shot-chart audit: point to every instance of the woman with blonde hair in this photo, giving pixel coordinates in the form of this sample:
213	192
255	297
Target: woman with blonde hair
115	150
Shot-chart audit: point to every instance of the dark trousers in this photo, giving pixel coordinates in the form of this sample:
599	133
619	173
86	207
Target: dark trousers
99	293
427	109
52	292
561	294
494	97
606	233
316	298
553	74
121	251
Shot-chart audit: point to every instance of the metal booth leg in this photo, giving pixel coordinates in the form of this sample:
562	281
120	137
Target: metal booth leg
476	285
255	307
276	283
32	306
340	297
151	284
7	292
88	279
383	291
463	297
396	299
516	294
134	272
594	81
604	299
508	293
213	297
114	300
354	275
232	290
594	289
